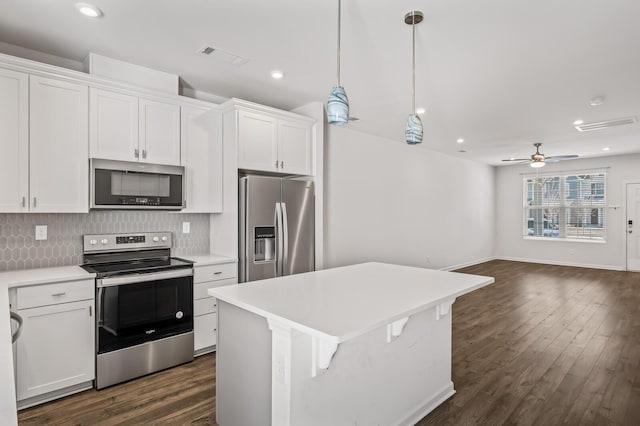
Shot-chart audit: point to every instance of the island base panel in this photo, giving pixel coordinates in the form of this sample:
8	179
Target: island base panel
369	381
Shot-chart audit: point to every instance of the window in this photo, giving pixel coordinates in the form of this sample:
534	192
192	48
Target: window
567	206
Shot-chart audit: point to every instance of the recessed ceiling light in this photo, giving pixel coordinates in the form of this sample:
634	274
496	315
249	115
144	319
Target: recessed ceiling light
420	111
277	74
606	148
89	10
460	140
578	122
597	101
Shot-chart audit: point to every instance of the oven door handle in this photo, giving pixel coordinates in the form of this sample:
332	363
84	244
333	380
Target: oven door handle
141	278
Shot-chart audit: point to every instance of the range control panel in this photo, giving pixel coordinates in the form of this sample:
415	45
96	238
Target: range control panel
118	242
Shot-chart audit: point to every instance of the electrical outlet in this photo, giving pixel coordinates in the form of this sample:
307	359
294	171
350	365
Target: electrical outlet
186	227
41	232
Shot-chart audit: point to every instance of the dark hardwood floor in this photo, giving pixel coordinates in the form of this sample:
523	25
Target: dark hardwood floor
544	345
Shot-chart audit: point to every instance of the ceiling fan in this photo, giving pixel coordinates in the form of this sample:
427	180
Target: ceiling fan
538	159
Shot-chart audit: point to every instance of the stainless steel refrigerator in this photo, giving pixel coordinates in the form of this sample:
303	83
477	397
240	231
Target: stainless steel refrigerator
277	227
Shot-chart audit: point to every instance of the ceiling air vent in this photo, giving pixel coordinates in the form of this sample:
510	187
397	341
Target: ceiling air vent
586	127
228	57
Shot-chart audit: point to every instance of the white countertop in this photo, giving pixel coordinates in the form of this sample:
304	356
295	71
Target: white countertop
342	303
42	276
207	259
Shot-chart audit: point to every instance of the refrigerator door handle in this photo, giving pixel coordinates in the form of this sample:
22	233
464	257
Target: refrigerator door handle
279	240
285	238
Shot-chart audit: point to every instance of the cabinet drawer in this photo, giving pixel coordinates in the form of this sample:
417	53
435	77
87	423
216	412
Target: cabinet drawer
215	272
208	305
200	290
51	294
204	331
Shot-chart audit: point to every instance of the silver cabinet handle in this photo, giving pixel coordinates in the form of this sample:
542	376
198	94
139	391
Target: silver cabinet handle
59	294
217	273
34	201
276	164
144	153
90	311
24	202
136	153
17	318
282	164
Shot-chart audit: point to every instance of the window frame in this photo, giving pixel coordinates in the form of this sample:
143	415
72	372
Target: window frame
562	206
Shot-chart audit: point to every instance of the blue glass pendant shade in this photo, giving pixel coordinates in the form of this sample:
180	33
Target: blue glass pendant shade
413	130
338	107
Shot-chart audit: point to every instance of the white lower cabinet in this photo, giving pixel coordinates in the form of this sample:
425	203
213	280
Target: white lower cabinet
205	308
56	348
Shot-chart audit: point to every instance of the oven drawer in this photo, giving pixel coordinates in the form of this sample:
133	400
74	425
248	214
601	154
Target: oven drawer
52	294
200	290
215	272
207	305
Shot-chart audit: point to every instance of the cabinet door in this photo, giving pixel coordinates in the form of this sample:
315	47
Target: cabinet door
14	141
159	131
56	348
257	146
204	331
294	147
113	125
201	142
59	146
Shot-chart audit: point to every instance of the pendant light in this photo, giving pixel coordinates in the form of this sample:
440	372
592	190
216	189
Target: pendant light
338	103
413	129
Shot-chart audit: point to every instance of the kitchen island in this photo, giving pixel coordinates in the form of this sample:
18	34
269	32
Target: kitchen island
361	344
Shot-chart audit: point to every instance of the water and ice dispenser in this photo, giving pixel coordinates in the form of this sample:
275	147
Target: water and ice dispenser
264	238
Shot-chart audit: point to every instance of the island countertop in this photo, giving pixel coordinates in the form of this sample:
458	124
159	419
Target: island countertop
342	303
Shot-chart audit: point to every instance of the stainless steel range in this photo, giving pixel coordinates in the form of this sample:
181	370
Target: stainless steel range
144	305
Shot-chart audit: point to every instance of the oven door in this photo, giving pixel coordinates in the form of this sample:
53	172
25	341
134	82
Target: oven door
137	308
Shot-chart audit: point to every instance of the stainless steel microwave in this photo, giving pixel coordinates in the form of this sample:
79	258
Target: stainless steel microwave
135	186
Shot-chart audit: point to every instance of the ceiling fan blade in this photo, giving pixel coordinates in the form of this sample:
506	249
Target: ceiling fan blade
558	158
518	159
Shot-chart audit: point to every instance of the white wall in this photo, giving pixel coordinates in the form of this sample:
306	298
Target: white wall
390	202
509	216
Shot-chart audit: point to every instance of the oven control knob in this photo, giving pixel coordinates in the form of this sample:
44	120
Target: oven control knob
164	238
93	242
156	239
179	315
104	241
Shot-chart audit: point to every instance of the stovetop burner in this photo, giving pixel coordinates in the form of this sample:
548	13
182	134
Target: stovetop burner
137	266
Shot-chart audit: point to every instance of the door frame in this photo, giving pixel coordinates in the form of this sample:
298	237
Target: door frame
624	224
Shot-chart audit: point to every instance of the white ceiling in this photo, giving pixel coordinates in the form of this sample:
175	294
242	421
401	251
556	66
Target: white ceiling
502	74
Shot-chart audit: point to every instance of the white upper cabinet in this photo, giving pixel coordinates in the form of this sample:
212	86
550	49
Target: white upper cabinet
130	128
59	146
201	141
294	147
14	141
159	132
114	125
257	141
269	143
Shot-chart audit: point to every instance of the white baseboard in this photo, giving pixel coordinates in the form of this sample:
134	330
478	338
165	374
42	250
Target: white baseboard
561	263
464	265
430	405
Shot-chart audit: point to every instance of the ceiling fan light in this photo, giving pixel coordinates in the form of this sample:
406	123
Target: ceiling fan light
536	164
338	107
413	130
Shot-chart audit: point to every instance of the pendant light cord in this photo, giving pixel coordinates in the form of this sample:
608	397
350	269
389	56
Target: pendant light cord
413	25
339	23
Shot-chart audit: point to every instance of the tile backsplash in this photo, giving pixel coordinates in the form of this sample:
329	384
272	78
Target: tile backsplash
20	250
